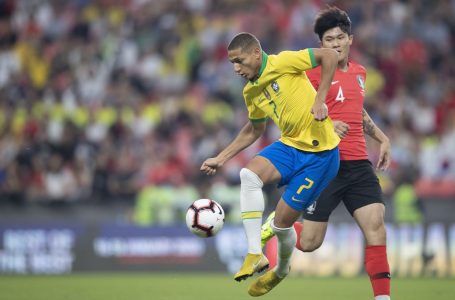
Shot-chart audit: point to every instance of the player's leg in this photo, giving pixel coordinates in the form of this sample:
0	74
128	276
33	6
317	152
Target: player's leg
311	233
282	226
311	236
313	173
308	240
259	171
364	202
304	187
371	221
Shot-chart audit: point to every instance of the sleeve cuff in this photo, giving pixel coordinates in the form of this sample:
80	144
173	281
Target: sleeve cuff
313	60
258	120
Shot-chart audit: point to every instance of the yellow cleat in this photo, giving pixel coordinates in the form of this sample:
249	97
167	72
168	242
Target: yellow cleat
266	230
254	263
264	284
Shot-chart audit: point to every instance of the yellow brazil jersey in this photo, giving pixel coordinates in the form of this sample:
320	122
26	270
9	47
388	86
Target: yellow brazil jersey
284	93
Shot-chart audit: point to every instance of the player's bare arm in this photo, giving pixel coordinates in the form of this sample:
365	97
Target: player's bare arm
341	128
328	59
247	136
370	128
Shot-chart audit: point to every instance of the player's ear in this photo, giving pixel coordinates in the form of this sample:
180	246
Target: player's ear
351	38
257	52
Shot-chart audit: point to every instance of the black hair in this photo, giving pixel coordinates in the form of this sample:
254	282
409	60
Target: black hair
244	41
332	17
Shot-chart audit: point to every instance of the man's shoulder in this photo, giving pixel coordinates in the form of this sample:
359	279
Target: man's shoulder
285	55
274	62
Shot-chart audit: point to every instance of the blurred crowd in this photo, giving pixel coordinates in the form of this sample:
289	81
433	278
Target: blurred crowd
122	100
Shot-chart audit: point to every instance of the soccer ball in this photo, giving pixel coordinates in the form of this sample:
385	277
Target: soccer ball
205	218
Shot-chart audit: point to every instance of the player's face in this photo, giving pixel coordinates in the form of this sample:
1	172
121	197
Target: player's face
246	63
338	40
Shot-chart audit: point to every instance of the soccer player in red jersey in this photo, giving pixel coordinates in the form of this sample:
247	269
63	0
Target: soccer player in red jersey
356	183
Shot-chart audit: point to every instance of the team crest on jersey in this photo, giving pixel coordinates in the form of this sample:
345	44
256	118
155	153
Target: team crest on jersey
361	82
275	86
267	94
310	209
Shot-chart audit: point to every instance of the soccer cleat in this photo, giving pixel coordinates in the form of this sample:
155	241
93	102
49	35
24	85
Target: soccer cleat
254	263
264	284
266	230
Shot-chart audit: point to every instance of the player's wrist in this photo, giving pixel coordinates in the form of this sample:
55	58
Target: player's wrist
385	140
319	99
220	160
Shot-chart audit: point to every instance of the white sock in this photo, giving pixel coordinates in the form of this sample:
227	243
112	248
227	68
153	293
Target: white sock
252	208
287	237
382	297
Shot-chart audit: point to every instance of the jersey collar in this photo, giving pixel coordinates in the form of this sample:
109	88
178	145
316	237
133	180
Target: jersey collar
264	63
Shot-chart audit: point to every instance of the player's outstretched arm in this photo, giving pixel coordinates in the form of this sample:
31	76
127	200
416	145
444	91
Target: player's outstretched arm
247	136
370	128
328	59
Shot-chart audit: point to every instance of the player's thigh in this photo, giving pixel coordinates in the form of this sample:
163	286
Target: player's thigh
312	235
273	163
370	219
285	216
266	171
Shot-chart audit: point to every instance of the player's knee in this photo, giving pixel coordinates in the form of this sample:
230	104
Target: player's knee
376	224
375	234
310	243
250	179
376	218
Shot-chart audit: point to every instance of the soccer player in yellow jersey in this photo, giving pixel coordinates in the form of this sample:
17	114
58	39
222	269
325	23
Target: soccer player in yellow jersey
304	159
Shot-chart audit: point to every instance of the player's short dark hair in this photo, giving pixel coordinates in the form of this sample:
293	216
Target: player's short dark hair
332	17
244	41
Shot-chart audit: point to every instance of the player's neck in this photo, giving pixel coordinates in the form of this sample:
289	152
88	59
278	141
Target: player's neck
343	65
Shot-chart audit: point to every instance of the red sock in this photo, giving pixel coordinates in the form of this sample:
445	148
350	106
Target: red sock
298	226
377	267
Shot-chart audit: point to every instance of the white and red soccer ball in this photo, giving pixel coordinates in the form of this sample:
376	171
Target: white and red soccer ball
205	218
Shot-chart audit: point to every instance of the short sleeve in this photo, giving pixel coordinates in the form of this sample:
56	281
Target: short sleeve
254	113
296	61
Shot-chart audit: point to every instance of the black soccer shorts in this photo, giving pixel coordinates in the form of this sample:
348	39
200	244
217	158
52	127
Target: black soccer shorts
356	184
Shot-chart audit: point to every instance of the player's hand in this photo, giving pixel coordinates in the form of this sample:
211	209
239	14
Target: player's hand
341	128
384	156
210	165
319	110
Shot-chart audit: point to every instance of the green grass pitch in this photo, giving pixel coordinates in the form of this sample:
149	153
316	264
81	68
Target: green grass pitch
199	286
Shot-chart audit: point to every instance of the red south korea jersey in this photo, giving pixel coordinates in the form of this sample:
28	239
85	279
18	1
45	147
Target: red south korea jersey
345	103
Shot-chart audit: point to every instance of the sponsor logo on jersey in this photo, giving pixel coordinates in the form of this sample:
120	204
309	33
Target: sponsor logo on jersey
275	86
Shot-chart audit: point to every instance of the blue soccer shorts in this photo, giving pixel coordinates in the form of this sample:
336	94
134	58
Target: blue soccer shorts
306	174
